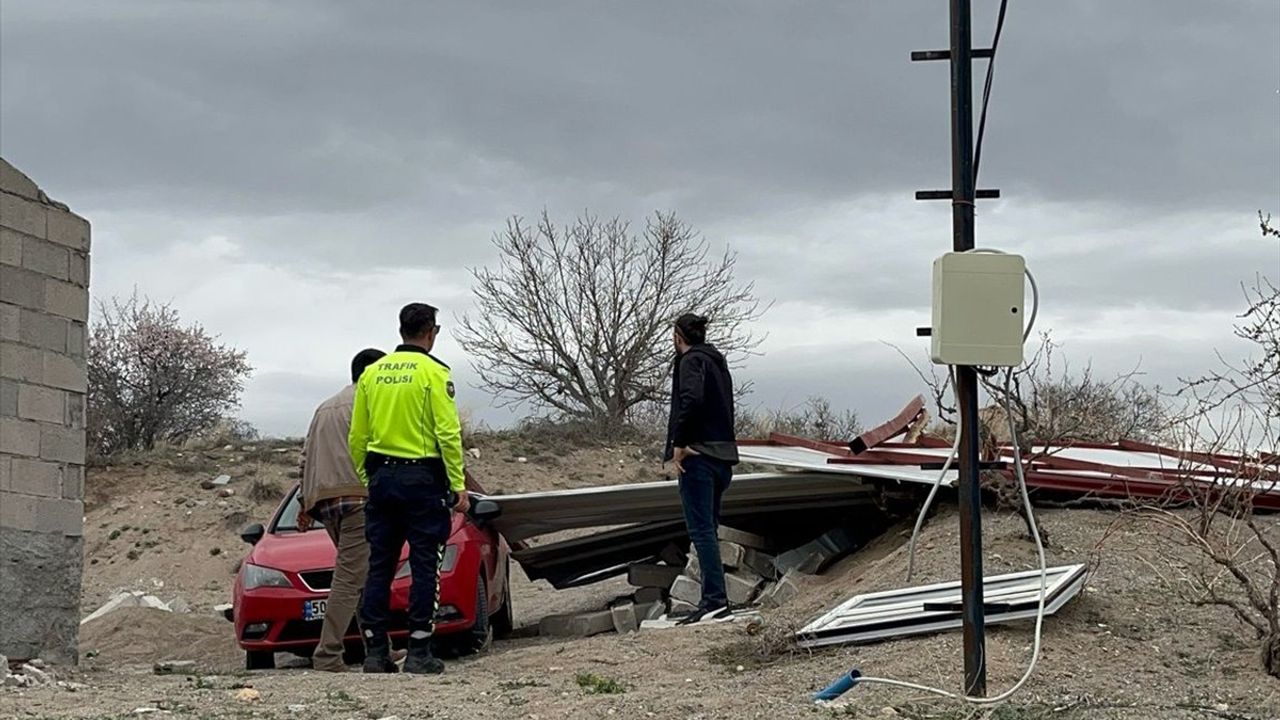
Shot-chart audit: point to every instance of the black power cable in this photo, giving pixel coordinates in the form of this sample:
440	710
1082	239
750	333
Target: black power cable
986	91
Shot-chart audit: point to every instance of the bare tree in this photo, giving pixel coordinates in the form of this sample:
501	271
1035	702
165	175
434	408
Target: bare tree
1054	405
576	320
1235	408
816	419
1211	510
153	379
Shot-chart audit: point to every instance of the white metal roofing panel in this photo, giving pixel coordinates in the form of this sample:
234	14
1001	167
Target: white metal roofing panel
799	458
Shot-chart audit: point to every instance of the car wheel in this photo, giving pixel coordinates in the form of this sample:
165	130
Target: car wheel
480	636
259	660
504	621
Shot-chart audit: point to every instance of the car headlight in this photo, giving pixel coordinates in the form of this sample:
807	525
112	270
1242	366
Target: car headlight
446	563
256	576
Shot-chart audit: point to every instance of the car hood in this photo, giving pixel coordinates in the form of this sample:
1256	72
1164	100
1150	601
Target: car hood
313	550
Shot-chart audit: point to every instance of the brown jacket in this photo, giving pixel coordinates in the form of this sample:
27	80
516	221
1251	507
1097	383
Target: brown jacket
327	471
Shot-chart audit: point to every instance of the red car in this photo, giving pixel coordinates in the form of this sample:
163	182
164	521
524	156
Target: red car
282	587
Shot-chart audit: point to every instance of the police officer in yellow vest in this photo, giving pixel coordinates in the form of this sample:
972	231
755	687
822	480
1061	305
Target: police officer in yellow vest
406	443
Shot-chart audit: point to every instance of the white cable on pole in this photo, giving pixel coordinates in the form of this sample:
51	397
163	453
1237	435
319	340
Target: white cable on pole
1031	521
1044	588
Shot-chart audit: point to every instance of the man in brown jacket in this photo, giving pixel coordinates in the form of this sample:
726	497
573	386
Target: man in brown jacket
333	494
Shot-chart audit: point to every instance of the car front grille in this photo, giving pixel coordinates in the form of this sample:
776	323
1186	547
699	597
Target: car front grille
318	580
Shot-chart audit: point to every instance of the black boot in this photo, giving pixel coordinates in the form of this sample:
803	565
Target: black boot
377	653
420	661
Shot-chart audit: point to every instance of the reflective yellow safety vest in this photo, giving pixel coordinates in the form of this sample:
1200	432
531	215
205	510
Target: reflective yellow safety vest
404	408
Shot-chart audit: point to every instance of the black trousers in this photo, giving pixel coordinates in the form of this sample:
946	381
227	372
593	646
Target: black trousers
407	503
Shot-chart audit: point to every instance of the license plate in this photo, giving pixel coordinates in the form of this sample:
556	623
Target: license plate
314	609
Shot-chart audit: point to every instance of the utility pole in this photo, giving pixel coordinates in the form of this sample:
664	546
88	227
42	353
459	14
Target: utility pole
962	185
962	195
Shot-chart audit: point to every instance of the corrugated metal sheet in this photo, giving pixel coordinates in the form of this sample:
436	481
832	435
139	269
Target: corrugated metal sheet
528	515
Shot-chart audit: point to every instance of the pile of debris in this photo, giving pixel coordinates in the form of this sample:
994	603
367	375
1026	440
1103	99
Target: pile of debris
757	573
24	675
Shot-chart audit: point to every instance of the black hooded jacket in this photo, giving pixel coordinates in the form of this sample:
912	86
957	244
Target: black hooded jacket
702	405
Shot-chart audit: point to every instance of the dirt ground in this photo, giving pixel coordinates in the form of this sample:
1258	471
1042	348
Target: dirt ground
1128	647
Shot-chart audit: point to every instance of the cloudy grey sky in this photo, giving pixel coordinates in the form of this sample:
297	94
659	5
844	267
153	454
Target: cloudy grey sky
290	173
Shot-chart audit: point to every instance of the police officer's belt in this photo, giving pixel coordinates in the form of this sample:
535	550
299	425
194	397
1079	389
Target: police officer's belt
380	459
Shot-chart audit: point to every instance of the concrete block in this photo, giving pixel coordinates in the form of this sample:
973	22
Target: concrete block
732	555
804	559
745	539
680	607
45	258
647	575
6	476
625	619
647	595
686	589
9	327
579	625
18	512
60	515
26	216
814	557
68	229
42	515
38	329
73	482
41	403
759	563
741	590
781	592
673	555
78	268
62	371
10	248
693	568
62	444
9	398
75	411
14	181
21	363
651	611
67	300
19	437
36	477
22	287
77	340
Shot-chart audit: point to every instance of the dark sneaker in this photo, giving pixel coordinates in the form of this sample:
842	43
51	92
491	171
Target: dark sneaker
702	615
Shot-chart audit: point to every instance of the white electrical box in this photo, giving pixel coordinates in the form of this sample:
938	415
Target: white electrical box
978	309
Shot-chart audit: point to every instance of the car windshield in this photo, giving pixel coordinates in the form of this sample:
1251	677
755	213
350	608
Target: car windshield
288	518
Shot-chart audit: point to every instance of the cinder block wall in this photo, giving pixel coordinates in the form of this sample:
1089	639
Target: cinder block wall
44	305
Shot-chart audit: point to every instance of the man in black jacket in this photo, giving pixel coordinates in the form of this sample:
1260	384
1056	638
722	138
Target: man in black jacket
701	440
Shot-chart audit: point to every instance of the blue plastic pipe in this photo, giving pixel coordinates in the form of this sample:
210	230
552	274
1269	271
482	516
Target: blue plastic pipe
842	685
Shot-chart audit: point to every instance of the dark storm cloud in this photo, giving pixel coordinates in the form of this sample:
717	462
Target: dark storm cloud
465	113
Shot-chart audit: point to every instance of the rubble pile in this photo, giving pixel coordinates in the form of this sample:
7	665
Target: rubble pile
758	573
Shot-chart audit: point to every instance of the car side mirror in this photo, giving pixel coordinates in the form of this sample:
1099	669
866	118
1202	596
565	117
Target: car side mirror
253	533
485	510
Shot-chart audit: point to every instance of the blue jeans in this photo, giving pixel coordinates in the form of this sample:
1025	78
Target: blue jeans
406	503
702	485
